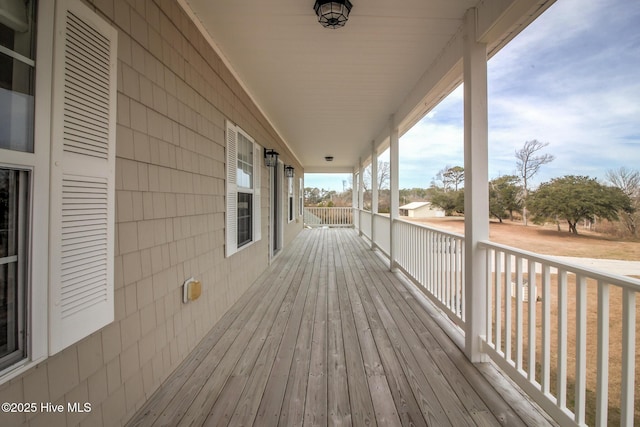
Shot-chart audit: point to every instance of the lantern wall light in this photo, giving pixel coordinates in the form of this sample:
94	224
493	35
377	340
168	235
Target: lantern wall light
270	157
289	171
332	14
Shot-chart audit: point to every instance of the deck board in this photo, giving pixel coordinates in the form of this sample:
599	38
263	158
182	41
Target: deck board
327	336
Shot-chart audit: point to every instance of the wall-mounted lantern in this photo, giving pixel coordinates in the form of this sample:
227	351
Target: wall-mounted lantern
270	157
289	171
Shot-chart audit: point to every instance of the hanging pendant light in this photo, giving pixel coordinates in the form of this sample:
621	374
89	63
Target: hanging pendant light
332	14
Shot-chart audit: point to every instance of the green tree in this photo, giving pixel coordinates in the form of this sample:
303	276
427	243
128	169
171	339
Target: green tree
449	201
504	197
575	198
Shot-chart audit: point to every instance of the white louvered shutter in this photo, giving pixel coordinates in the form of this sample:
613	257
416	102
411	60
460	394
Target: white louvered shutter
257	183
231	244
82	175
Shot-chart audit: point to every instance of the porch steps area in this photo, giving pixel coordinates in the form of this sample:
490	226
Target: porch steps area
329	336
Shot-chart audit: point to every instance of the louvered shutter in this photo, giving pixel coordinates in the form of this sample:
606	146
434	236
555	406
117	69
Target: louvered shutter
231	246
257	183
82	175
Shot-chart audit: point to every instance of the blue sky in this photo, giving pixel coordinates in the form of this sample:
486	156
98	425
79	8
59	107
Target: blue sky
572	79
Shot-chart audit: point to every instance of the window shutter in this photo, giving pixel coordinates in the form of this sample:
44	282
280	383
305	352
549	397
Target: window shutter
231	246
257	201
82	175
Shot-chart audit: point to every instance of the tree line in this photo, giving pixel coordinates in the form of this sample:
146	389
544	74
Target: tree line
570	199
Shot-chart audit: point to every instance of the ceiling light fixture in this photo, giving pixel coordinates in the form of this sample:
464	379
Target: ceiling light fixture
332	14
328	158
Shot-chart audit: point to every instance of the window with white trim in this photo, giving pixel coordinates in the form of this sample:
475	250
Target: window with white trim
57	178
243	189
14	209
17	78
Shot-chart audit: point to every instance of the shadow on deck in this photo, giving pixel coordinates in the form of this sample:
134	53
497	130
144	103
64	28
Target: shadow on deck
328	336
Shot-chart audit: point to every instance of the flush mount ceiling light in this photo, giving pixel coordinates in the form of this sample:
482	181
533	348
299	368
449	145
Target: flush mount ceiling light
332	14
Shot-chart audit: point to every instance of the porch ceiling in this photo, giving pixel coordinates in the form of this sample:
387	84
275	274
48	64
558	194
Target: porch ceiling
332	92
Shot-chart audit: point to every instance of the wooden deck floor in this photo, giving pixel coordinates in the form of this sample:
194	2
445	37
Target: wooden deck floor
327	336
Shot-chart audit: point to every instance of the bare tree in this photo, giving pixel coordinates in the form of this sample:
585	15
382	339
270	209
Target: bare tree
529	161
628	180
383	176
450	176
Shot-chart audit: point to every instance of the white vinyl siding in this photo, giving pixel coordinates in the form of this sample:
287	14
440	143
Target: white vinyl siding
82	176
243	166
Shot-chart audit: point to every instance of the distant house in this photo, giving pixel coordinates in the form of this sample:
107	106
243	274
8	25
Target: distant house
421	210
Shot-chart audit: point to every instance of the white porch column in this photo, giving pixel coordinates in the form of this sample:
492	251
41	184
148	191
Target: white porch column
394	154
360	195
476	187
374	192
354	198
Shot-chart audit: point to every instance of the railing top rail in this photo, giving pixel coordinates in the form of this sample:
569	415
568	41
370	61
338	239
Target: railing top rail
611	278
329	207
437	230
381	215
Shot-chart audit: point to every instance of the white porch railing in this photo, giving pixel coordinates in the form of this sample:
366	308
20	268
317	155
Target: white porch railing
382	224
366	219
328	217
434	260
555	341
553	335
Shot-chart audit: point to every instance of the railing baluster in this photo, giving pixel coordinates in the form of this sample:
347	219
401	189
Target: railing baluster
439	267
628	357
531	302
508	324
562	340
546	329
602	384
489	297
430	261
498	303
581	349
519	319
463	303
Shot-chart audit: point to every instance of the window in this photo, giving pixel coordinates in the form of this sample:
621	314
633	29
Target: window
243	189
245	216
57	178
17	69
14	185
